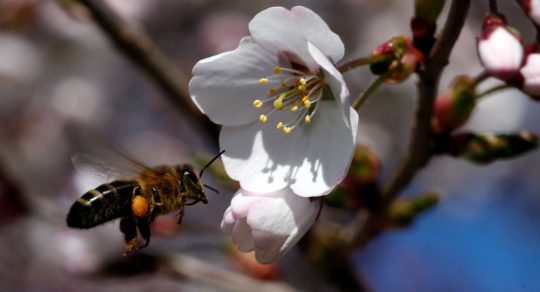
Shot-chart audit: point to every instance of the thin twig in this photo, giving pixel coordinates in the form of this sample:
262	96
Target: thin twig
137	47
420	148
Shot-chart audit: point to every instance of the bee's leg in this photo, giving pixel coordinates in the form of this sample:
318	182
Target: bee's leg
144	229
129	229
155	208
181	206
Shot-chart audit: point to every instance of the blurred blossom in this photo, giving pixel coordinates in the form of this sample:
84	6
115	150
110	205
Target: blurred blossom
15	13
500	48
20	61
79	99
283	72
77	255
222	31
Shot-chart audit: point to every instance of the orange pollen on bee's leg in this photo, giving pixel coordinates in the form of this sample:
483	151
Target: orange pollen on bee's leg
139	206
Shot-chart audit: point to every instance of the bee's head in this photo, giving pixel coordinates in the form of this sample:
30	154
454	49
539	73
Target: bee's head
190	183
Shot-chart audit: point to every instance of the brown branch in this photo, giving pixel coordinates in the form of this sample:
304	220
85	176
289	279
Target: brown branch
420	148
137	47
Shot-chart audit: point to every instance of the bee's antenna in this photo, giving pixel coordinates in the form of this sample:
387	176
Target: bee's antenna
211	188
208	164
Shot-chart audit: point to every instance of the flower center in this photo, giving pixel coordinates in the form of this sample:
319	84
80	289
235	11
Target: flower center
293	90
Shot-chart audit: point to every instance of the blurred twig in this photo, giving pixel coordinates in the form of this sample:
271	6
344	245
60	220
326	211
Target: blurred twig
137	47
420	148
226	279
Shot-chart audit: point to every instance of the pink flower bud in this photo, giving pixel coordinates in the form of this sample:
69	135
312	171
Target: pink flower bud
533	9
453	108
500	49
531	76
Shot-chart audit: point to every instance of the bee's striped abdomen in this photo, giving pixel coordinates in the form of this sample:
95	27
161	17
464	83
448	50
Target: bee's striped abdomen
105	203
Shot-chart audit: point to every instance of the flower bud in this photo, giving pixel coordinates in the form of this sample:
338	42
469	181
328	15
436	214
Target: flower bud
530	74
424	23
453	108
403	212
532	7
487	147
500	48
401	60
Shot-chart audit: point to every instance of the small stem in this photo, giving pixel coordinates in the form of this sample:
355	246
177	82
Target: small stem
362	97
536	26
480	77
493	90
361	62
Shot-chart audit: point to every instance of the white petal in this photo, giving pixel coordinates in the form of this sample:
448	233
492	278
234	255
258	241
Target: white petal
501	53
329	151
280	30
312	159
224	86
227	224
278	220
334	79
242	236
531	75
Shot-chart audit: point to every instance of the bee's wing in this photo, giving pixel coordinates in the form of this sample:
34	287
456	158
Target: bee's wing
105	171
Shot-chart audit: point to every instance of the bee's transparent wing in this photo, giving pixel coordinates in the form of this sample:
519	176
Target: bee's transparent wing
89	165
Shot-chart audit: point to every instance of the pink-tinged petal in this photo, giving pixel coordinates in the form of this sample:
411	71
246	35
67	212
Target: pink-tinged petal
501	53
531	75
242	236
283	31
328	153
334	79
224	86
277	221
312	159
228	221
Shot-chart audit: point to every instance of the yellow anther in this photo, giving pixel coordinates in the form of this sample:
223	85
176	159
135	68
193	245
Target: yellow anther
305	98
301	88
263	81
276	70
286	130
263	119
307	119
302	81
257	103
278	103
284	84
306	103
279	125
294	108
272	91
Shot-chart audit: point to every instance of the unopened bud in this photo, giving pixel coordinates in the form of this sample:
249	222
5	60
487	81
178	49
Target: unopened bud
530	76
500	48
401	60
532	7
453	108
403	212
487	147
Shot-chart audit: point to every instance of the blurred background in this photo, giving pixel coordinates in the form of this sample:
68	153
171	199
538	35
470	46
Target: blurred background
58	68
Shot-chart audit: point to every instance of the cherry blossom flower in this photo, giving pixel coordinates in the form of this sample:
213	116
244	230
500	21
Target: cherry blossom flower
288	128
271	223
284	107
500	49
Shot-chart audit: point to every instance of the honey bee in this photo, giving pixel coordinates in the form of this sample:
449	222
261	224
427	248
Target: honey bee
136	199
